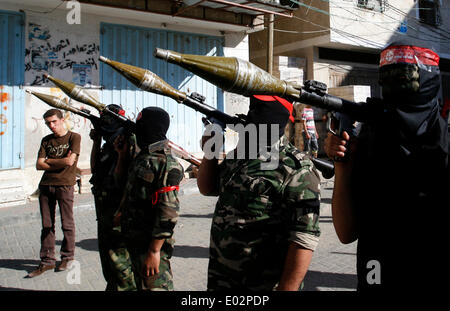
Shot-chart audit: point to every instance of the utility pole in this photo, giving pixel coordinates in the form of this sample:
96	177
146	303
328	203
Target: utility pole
270	43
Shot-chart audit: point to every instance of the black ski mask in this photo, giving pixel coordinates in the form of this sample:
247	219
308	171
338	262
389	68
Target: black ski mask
266	110
270	110
410	79
152	124
108	124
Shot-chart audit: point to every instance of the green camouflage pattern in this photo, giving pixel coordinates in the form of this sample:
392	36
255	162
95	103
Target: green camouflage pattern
114	258
163	281
258	213
141	221
120	258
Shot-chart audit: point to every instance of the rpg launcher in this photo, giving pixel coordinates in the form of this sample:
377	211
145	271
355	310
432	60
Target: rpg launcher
77	93
63	104
242	77
149	81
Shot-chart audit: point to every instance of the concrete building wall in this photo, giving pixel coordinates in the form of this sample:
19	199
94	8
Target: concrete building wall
236	45
293	36
54	46
370	28
341	25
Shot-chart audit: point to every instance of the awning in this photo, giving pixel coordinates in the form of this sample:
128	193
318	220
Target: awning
255	7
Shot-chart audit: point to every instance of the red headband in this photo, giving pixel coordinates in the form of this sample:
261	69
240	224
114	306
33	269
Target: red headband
284	102
408	54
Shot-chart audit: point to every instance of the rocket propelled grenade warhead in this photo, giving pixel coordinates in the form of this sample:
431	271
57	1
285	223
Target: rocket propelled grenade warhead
242	77
145	79
53	101
148	81
231	74
59	103
76	92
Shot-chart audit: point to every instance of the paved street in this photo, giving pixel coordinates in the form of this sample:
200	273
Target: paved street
332	267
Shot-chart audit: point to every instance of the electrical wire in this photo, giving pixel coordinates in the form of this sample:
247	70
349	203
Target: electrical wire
358	40
350	36
438	39
405	14
299	32
46	12
387	6
419	23
418	19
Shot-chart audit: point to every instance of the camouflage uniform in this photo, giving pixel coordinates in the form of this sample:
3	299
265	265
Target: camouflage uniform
145	216
257	214
115	260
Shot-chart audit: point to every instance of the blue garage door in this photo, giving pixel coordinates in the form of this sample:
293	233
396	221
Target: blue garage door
11	96
135	45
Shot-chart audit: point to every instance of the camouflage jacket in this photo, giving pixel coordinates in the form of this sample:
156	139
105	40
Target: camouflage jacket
145	216
259	211
102	179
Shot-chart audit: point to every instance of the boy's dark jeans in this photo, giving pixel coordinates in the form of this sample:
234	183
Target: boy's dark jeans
48	197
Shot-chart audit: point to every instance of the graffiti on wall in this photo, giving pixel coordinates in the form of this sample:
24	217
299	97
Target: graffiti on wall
75	122
49	53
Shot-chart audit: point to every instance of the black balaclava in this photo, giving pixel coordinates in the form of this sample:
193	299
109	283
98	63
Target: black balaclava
108	124
410	79
268	110
152	124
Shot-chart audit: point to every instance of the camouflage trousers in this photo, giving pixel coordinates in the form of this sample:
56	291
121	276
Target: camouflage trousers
163	281
234	280
114	257
221	278
242	266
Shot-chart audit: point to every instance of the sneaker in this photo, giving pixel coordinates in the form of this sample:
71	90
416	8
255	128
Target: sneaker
40	269
64	264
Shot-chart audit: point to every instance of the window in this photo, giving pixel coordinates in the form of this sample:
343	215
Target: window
289	3
429	12
376	5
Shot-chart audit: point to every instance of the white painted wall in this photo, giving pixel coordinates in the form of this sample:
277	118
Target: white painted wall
54	46
236	45
372	29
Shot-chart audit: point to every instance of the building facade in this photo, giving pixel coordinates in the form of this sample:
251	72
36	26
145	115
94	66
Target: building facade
65	40
338	41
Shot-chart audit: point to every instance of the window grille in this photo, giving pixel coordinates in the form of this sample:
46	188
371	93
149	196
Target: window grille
429	12
375	5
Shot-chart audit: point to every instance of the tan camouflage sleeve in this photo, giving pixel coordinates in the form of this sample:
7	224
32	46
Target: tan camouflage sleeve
302	196
166	203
